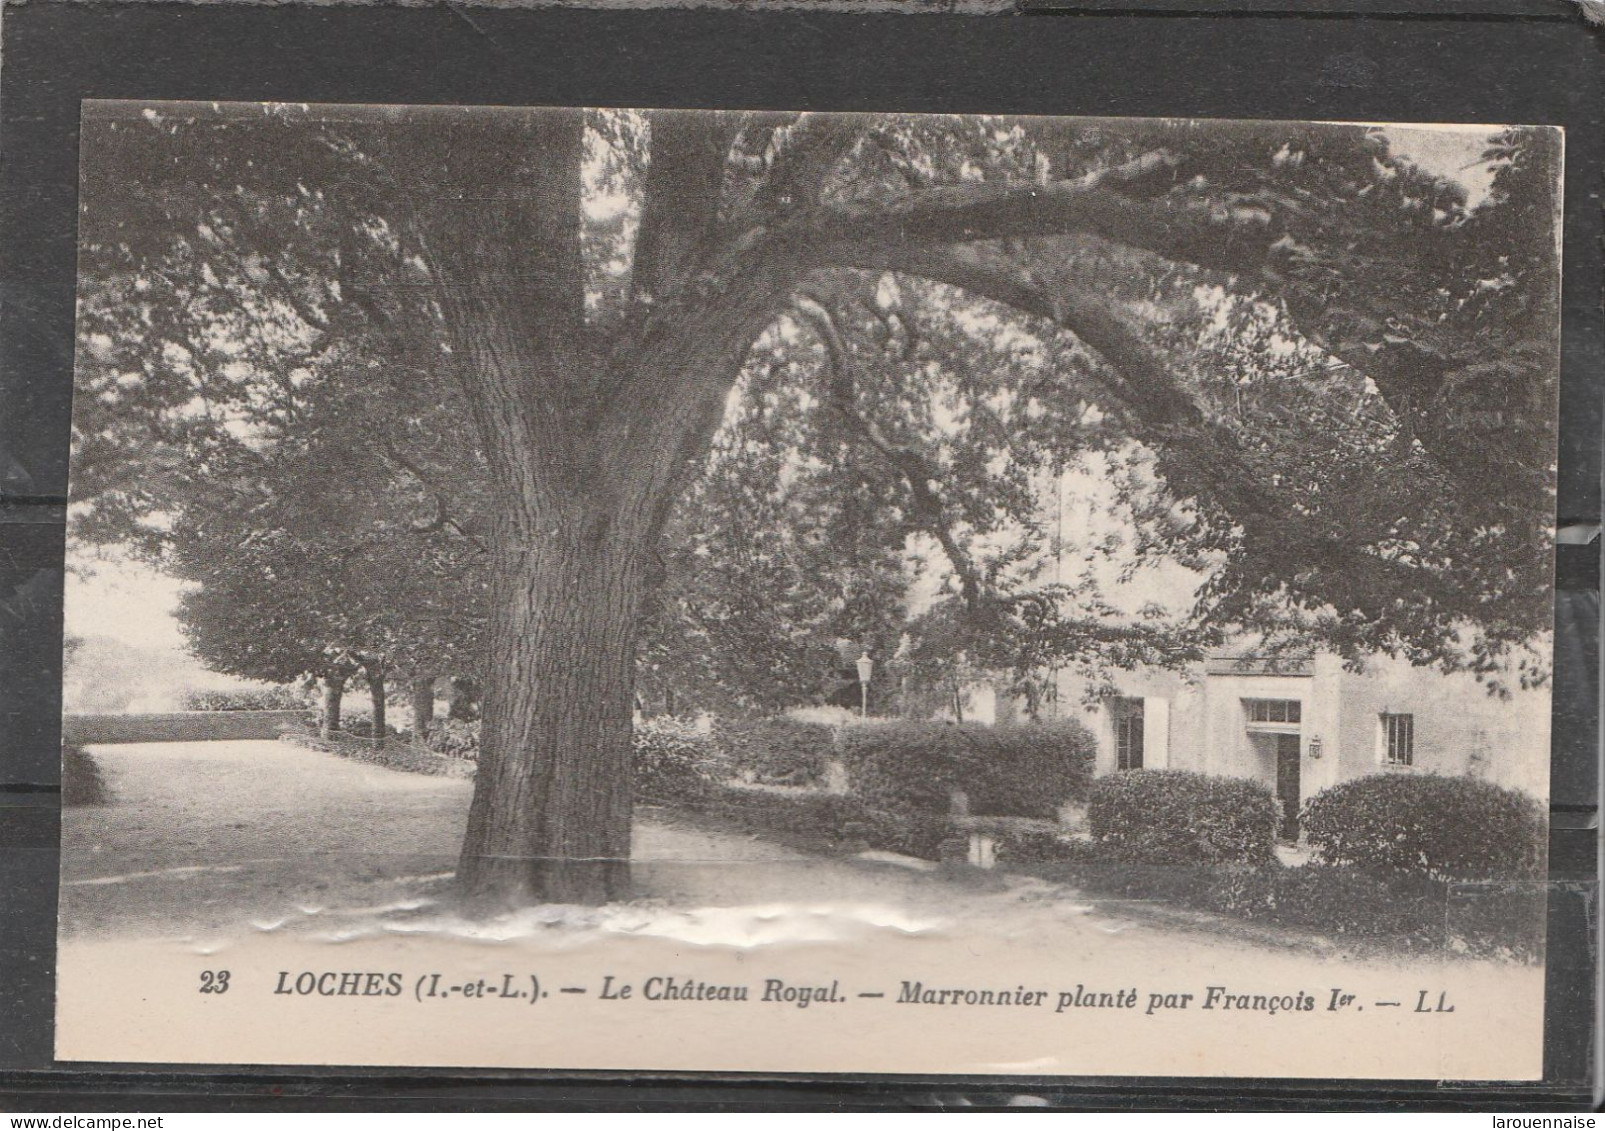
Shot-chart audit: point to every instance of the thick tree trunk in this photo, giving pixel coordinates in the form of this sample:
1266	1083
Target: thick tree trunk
376	691
588	438
334	689
423	708
550	819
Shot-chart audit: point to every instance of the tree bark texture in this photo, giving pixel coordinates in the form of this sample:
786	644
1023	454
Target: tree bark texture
589	438
550	818
376	691
423	708
334	689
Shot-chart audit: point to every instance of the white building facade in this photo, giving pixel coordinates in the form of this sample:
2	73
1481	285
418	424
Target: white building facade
1299	726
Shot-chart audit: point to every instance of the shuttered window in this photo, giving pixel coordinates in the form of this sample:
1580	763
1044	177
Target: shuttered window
1128	735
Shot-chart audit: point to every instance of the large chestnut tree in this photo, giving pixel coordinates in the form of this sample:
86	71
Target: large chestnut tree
591	286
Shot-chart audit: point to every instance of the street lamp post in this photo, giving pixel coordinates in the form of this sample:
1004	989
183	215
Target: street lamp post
866	666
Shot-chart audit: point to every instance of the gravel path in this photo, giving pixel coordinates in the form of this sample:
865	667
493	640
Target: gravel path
205	835
284	858
210	836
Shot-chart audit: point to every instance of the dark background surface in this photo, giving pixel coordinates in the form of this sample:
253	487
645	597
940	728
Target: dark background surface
1494	61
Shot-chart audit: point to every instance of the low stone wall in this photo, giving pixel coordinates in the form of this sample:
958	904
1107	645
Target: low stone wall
177	726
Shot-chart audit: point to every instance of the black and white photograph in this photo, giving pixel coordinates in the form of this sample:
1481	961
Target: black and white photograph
797	592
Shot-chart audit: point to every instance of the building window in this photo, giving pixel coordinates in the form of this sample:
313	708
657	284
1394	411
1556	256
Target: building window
1128	735
1274	710
1399	740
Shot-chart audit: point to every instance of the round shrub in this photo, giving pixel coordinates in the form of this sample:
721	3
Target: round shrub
1025	771
1177	817
778	751
1448	827
672	760
820	821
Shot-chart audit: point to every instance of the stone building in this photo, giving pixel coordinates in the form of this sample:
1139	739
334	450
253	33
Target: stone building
1301	724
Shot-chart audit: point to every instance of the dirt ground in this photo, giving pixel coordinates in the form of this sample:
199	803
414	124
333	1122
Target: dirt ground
265	859
205	835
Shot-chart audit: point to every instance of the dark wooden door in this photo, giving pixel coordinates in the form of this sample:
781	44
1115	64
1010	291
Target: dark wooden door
1287	783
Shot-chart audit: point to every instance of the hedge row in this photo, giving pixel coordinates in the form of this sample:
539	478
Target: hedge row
246	699
178	726
827	822
1024	771
674	761
1027	771
1177	817
777	751
403	756
1393	854
678	765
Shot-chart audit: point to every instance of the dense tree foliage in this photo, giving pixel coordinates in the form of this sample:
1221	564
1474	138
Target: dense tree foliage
300	459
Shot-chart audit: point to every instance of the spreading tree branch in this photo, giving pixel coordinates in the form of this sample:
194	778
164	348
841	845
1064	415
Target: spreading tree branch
1197	454
1235	239
926	505
1244	237
442	517
1144	383
680	200
805	155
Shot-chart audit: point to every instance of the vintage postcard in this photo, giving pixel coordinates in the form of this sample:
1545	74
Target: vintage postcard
792	593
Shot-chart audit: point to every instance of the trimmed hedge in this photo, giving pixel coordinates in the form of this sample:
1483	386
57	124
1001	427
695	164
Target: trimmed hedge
1023	771
673	760
179	726
246	699
777	751
1429	824
1177	817
823	821
1338	901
